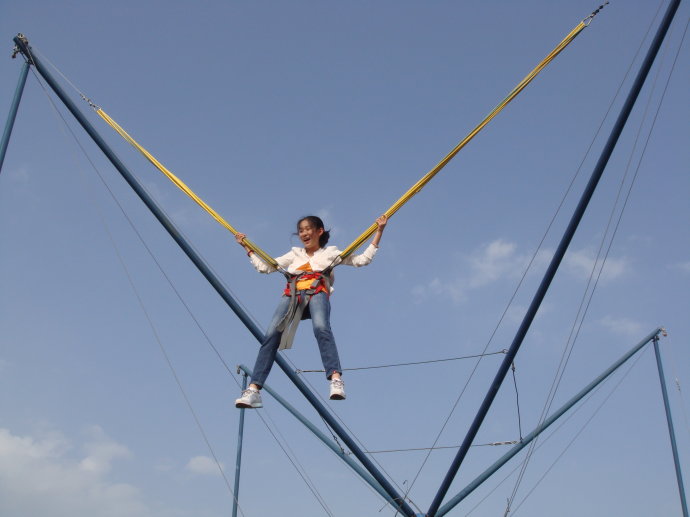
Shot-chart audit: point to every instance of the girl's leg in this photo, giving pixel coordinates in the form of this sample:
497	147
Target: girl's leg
269	347
320	310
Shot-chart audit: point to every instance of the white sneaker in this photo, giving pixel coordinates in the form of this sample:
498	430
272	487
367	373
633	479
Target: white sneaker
250	399
337	390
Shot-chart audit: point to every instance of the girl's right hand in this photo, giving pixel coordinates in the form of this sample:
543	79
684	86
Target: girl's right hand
239	237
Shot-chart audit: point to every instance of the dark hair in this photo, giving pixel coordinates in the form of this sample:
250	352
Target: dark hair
317	223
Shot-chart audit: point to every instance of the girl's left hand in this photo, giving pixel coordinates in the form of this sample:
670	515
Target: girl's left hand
382	221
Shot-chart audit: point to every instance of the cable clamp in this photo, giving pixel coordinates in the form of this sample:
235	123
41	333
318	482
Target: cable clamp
93	105
589	19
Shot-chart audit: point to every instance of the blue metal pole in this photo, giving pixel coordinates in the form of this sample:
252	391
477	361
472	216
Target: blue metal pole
213	280
238	460
13	112
671	432
321	436
557	258
547	423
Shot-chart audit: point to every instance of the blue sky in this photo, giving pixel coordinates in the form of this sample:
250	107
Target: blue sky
271	111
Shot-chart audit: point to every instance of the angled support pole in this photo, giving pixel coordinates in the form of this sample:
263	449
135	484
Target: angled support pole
557	258
672	434
238	459
215	282
484	476
327	441
13	111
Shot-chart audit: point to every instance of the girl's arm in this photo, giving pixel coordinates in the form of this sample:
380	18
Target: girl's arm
259	264
239	237
368	255
382	221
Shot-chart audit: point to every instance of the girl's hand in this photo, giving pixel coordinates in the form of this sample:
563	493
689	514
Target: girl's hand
382	221
239	237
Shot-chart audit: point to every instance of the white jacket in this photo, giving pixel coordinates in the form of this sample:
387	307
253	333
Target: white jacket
321	259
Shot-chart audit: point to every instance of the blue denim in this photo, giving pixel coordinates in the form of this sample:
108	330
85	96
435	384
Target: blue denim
320	310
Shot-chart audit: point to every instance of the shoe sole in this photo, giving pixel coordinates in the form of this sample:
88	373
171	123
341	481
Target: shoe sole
241	405
337	397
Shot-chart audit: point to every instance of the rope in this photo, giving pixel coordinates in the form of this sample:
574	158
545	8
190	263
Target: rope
417	187
676	382
504	351
529	265
579	432
517	400
66	79
141	302
581	405
413	449
301	470
178	182
570	345
317	393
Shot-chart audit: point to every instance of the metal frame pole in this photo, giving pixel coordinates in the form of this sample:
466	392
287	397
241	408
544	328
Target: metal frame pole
672	434
547	423
212	279
238	459
558	256
13	111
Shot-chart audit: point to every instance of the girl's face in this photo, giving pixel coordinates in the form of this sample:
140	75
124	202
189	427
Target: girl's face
309	235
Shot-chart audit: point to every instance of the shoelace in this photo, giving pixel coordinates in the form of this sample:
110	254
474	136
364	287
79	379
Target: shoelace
337	383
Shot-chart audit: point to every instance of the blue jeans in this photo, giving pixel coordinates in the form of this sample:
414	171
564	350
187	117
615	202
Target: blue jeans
320	310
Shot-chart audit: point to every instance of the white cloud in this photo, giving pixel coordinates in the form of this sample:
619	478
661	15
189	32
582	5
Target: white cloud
38	478
500	260
581	262
492	262
454	289
101	452
203	465
622	326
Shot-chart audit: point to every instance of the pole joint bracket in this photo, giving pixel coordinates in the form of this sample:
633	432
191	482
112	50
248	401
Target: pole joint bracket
22	47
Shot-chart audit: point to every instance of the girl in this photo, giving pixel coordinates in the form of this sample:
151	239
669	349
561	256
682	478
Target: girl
310	284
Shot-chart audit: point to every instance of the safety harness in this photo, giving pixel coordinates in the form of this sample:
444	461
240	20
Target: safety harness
299	301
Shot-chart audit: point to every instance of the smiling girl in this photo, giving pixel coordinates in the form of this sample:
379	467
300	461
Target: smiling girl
308	290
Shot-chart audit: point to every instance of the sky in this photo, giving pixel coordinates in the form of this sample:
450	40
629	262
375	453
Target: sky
114	400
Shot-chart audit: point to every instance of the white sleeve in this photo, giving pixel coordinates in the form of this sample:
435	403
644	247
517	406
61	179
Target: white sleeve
283	261
362	259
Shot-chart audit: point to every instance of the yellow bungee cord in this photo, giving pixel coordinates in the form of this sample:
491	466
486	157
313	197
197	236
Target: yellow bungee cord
417	187
429	175
183	187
